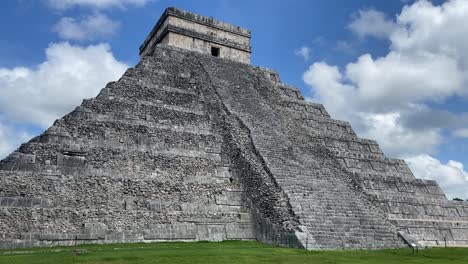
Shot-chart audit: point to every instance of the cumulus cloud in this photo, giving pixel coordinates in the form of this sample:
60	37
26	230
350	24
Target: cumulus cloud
371	23
370	119
90	27
303	52
427	118
96	4
396	139
434	29
5	145
38	95
427	62
398	79
330	89
11	137
450	176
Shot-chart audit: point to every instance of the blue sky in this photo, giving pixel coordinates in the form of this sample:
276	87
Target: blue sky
397	70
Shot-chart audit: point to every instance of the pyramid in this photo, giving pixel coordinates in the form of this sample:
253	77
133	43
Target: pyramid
196	144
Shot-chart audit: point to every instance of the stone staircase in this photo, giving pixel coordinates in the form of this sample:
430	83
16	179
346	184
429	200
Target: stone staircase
334	212
337	217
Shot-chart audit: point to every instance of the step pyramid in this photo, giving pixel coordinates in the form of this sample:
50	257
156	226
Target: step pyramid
195	144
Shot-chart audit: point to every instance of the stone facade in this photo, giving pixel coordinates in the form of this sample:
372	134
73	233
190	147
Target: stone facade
188	146
182	29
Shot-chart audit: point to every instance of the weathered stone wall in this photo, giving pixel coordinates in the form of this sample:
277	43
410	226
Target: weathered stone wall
222	32
182	29
143	161
419	209
203	46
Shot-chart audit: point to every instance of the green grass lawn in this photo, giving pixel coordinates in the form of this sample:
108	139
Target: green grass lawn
225	253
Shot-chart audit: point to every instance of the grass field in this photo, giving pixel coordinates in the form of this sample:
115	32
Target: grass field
225	253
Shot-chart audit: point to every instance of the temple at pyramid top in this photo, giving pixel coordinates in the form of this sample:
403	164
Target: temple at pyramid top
186	30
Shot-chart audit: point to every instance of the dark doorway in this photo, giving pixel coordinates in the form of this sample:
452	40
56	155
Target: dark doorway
215	51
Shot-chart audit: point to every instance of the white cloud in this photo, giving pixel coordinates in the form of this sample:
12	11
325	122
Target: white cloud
399	79
434	29
345	101
10	138
5	143
96	4
303	52
414	72
451	176
330	89
39	95
461	133
426	62
396	139
371	23
91	27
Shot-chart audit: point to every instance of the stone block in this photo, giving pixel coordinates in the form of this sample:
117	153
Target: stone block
451	212
332	143
434	210
223	172
378	166
158	206
174	231
94	230
463	211
405	187
353	163
430	233
229	198
403	168
70	161
375	149
352	145
454	243
365	148
23	202
406	209
434	189
459	233
58	237
240	231
211	232
209	208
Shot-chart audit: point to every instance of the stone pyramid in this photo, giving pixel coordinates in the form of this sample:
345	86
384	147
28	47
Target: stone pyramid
194	143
